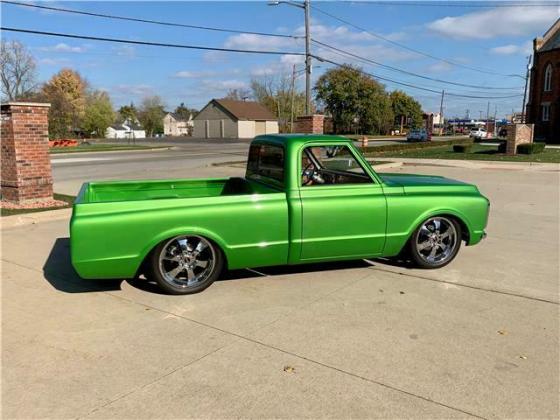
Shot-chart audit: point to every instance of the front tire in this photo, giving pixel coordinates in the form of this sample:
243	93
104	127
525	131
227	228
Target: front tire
436	242
185	264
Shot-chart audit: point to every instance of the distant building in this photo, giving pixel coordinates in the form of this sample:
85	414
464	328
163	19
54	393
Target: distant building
226	118
126	130
176	125
543	106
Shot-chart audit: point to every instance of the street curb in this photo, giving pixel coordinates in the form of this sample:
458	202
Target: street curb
476	164
152	149
18	220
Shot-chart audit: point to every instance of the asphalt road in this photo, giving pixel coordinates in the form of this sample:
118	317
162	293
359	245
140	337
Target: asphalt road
184	155
478	338
70	170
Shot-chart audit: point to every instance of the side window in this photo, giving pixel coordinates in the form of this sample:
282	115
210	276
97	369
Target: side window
331	165
266	163
548	78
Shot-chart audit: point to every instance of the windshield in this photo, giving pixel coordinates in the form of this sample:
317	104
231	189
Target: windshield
266	163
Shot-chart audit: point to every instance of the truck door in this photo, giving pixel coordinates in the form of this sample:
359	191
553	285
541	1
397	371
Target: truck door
344	211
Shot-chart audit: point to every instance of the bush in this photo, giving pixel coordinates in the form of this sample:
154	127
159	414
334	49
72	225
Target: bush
462	148
530	148
376	150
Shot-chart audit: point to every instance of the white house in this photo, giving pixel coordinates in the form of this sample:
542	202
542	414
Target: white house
126	130
226	118
176	125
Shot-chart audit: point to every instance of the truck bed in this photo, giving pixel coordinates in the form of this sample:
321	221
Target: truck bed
103	192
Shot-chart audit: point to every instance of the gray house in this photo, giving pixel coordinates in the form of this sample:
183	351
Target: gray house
226	118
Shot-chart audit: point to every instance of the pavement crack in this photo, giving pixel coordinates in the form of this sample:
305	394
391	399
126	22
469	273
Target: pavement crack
483	289
139	388
316	362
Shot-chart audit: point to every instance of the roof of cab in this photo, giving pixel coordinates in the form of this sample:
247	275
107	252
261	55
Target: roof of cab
288	140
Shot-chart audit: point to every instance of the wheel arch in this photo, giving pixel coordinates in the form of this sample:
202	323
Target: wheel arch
466	228
169	234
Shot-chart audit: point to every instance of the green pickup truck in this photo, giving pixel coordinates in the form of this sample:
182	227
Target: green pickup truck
304	198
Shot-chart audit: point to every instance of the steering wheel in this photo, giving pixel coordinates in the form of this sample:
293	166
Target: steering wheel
312	175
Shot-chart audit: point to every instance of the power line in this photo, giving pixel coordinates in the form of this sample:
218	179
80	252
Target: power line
472	4
398	44
155	44
154	22
412	73
458	95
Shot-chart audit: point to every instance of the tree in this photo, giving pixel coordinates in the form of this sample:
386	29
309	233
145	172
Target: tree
355	100
405	109
18	70
99	114
66	92
238	94
151	115
127	113
278	95
185	112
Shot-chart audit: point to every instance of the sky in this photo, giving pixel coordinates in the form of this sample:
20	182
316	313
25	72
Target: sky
495	41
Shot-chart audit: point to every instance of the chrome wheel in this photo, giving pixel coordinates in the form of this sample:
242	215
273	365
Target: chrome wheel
187	261
437	240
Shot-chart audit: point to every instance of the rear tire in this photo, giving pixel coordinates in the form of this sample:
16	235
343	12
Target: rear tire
185	264
436	242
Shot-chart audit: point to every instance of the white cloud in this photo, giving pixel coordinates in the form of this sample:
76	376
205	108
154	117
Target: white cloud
226	84
187	74
127	51
512	49
514	21
53	61
134	90
65	48
440	67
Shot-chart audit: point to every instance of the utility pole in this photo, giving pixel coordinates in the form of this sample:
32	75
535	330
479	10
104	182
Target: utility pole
441	113
495	116
307	60
293	88
525	91
306	7
487	117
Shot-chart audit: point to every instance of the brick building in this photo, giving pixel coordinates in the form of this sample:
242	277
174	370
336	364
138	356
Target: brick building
543	106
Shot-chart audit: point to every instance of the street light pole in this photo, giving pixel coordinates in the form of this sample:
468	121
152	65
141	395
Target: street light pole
307	60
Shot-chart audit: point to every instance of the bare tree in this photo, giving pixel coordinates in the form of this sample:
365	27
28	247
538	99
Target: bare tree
238	94
17	70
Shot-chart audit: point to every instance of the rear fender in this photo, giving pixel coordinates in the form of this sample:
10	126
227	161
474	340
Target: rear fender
184	231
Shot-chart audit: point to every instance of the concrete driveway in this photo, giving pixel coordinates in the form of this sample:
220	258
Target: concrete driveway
478	338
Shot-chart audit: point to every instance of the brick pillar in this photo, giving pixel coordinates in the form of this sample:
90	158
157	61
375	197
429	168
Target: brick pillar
310	124
518	134
26	166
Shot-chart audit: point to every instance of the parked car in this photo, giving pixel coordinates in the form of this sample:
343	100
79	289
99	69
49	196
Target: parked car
304	199
478	133
418	135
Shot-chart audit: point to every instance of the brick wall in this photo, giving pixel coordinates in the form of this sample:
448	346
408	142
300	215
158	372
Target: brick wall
26	166
549	131
518	134
311	124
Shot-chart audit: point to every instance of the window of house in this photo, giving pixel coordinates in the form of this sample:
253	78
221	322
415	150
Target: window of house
548	78
545	112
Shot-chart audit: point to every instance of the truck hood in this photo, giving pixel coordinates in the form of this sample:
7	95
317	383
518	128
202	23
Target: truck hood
412	183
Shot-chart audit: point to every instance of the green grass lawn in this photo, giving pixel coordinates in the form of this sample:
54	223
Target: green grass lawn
62	197
478	152
101	148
